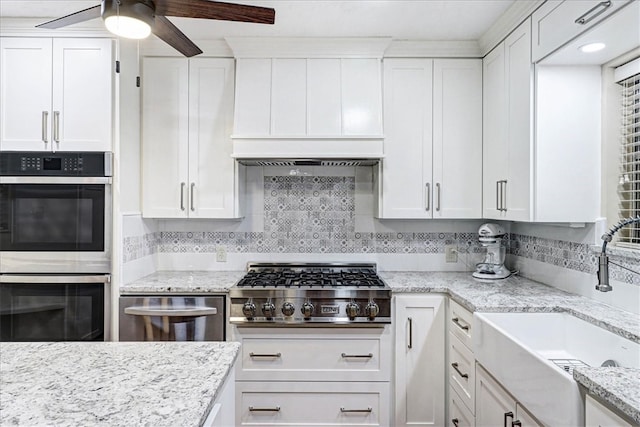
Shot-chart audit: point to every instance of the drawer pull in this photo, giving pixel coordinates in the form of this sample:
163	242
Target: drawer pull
360	356
455	421
368	410
456	320
254	409
454	365
506	416
275	355
584	19
517	423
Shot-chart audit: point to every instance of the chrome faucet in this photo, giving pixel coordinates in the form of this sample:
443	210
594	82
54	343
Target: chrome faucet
603	263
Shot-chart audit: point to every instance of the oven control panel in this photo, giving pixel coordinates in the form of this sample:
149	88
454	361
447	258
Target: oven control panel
96	164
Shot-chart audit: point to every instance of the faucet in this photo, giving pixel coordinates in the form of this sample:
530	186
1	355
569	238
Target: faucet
603	264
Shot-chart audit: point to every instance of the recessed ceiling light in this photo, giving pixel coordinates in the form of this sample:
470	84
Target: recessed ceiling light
592	47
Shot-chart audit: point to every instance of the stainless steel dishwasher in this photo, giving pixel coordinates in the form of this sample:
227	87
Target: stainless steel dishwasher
172	318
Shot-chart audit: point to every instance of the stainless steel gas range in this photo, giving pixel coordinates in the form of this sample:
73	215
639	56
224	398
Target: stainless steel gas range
310	294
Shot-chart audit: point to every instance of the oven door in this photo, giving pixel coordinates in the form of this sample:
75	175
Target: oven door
54	307
55	225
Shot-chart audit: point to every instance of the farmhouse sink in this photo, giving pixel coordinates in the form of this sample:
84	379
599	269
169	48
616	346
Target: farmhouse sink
533	355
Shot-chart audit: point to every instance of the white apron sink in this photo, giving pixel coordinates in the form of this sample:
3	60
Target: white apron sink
531	355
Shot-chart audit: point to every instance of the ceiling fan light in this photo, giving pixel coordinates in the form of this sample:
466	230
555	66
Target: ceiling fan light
128	27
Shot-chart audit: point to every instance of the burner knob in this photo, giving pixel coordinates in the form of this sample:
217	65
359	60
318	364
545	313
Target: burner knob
372	310
307	310
353	310
249	309
268	309
288	309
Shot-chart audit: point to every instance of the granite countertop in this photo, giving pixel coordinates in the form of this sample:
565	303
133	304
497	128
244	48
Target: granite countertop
206	282
111	384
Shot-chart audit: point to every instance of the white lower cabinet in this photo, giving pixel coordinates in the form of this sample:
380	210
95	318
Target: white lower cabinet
597	415
222	413
459	414
496	407
313	376
419	360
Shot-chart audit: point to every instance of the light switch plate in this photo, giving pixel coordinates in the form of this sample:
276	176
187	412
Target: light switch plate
451	253
221	254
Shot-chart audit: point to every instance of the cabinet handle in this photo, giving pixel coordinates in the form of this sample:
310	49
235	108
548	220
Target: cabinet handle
455	421
368	410
438	197
254	409
361	356
516	423
193	184
428	196
460	325
182	184
585	19
507	415
410	332
56	126
454	365
498	195
45	126
504	197
274	355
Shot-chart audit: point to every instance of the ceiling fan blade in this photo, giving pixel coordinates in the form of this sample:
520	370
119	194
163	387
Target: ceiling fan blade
74	18
206	9
170	34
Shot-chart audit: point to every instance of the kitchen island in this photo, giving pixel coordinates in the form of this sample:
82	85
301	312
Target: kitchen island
112	383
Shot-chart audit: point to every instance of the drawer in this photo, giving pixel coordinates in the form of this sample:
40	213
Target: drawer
462	371
459	414
317	404
296	356
460	322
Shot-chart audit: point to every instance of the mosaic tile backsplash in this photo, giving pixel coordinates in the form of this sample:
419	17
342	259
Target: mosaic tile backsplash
316	214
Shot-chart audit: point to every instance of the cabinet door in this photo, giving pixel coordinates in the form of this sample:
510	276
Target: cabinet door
253	98
289	97
420	370
525	418
212	170
494	131
597	415
494	406
324	88
457	138
519	72
165	137
361	103
407	165
25	94
82	94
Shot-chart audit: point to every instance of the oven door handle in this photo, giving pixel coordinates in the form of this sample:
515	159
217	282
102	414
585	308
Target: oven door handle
24	278
171	312
55	180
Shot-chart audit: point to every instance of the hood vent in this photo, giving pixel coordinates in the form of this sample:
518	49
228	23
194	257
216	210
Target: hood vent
308	162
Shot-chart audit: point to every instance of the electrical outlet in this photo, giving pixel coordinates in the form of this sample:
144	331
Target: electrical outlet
451	253
221	254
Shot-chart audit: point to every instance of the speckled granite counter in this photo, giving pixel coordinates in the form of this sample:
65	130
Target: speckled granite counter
111	384
209	282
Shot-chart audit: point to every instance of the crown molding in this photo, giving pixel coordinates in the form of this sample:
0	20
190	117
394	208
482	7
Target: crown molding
210	48
308	47
433	49
507	22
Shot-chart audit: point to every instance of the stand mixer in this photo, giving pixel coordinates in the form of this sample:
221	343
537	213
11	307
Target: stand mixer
490	237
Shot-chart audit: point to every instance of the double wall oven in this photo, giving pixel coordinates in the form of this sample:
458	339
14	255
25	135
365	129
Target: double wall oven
55	245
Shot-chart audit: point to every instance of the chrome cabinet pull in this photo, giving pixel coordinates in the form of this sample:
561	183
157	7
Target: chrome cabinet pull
182	184
438	197
193	184
45	126
273	355
56	126
171	312
504	197
368	410
585	18
360	356
507	415
254	409
460	325
410	332
454	365
428	196
498	195
455	421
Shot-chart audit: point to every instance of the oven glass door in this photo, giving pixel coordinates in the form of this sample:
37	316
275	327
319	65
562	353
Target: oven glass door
52	217
52	311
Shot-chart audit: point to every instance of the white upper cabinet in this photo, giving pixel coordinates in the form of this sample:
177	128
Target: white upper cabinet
558	21
56	94
187	168
433	139
315	97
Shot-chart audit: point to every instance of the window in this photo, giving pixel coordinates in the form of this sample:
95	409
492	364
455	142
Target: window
629	184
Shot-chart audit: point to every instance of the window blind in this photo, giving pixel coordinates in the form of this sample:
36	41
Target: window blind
629	185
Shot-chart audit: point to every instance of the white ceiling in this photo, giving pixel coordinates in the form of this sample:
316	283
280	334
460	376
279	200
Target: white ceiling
399	19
